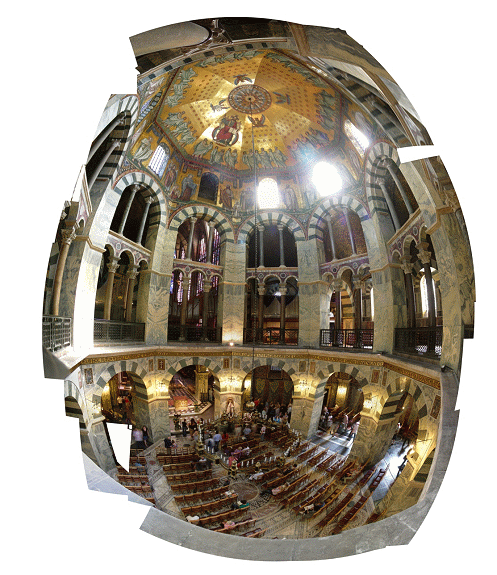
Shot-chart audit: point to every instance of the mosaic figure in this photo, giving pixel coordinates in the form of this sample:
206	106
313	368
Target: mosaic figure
226	134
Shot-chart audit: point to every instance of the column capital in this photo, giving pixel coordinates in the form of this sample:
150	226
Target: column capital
211	224
260	227
336	284
283	290
68	234
423	254
406	265
113	264
149	200
132	272
280	227
261	289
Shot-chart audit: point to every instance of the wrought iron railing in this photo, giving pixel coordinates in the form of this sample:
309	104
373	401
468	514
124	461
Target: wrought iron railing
426	341
56	332
354	338
193	333
108	331
271	336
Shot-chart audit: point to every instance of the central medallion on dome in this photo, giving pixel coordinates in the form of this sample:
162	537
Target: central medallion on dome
249	99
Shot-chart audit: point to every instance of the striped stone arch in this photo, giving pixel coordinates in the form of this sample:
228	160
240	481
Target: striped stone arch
270	218
324	374
327	206
373	170
247	365
215	365
394	392
158	212
123	103
223	226
74	401
129	366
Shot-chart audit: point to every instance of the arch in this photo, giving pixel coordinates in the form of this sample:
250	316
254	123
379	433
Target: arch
270	218
321	210
223	226
373	170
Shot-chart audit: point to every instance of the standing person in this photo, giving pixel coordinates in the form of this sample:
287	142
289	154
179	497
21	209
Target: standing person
138	437
146	437
353	429
193	427
263	432
289	412
217	439
184	427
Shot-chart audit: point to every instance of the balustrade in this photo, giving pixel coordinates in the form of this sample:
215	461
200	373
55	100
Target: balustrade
105	331
57	332
271	336
426	341
354	338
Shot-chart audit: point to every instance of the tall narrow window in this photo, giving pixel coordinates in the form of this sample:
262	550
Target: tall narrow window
216	248
424	295
358	139
371	298
159	160
268	196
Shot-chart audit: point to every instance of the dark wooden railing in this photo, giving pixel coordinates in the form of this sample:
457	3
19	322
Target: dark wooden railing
426	341
108	331
193	333
271	336
354	338
56	332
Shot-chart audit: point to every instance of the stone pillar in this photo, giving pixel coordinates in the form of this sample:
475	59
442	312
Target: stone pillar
351	235
260	229
148	201
283	291
100	444
212	225
134	189
190	238
388	166
117	121
282	247
98	169
332	238
425	258
112	265
205	309
67	237
337	288
231	300
411	309
132	273
389	202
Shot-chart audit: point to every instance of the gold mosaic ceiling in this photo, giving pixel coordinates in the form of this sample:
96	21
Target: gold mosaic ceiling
209	111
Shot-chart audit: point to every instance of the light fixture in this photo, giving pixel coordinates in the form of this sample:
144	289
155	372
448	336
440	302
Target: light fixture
326	179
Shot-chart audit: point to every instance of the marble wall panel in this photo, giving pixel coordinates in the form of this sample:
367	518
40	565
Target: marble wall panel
158	412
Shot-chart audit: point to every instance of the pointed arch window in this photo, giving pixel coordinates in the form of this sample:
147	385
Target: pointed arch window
424	294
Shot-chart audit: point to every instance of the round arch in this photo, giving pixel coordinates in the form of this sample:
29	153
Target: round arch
269	218
223	226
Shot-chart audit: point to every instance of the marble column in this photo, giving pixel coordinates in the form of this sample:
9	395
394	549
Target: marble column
282	247
261	290
358	287
112	266
210	240
260	229
205	308
134	189
389	202
148	201
332	238
283	292
68	236
118	120
98	169
388	165
349	228
411	309
231	299
190	238
184	308
132	273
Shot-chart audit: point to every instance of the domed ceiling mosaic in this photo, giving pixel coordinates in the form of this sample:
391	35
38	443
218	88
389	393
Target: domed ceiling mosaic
209	111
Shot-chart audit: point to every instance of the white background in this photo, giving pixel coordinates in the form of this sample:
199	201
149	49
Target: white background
61	61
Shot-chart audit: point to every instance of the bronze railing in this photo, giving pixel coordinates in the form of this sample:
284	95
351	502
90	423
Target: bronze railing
425	341
353	338
193	333
56	332
271	336
108	331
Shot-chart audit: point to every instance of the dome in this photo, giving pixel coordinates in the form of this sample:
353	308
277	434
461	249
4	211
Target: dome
224	111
